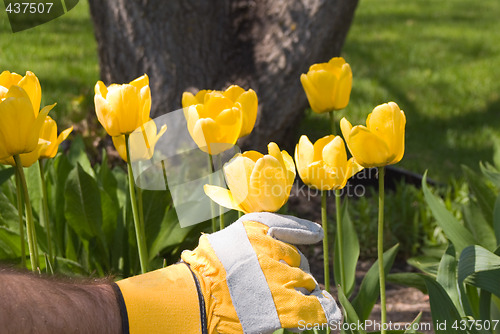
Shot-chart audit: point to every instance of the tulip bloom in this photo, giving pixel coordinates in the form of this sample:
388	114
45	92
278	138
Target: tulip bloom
20	124
256	182
328	85
382	141
247	100
29	83
142	142
217	119
48	143
123	108
324	165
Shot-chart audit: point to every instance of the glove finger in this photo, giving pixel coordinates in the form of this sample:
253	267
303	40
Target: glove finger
304	263
297	296
267	246
288	229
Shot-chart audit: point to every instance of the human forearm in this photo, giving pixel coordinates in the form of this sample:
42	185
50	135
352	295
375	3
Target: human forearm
34	304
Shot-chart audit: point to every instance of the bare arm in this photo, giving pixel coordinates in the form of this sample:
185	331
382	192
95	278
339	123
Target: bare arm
34	304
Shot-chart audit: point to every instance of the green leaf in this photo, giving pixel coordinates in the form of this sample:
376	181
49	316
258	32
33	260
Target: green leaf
447	277
169	235
481	268
350	253
427	264
10	244
491	173
155	204
484	195
442	308
350	315
8	213
454	230
496	220
56	182
413	280
107	179
479	227
6	174
33	182
110	211
77	155
414	325
83	204
369	290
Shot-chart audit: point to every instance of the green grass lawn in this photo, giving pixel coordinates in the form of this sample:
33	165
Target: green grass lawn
62	53
440	61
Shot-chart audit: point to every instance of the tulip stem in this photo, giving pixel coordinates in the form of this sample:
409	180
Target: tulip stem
221	209
30	226
21	220
380	246
340	238
139	229
332	123
45	210
326	255
210	180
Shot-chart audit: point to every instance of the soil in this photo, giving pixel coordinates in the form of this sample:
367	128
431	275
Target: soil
403	303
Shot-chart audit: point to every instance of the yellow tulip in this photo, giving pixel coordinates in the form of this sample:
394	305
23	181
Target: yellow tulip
49	133
20	124
328	85
233	97
48	143
29	83
256	182
382	141
28	159
324	165
123	108
141	142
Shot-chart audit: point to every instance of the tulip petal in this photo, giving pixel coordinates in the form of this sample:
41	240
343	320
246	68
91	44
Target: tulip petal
369	149
237	173
233	92
387	121
140	82
268	186
321	176
223	197
249	103
342	95
100	89
17	124
319	145
8	79
304	156
31	86
290	168
188	100
335	156
352	168
119	144
105	116
124	105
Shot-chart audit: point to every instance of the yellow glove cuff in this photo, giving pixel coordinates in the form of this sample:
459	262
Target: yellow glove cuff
162	301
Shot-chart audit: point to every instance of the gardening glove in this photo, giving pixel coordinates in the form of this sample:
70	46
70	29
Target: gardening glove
243	279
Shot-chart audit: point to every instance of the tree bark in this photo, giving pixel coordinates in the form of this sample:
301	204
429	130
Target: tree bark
199	44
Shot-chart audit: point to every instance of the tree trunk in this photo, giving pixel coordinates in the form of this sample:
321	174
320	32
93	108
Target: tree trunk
199	44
